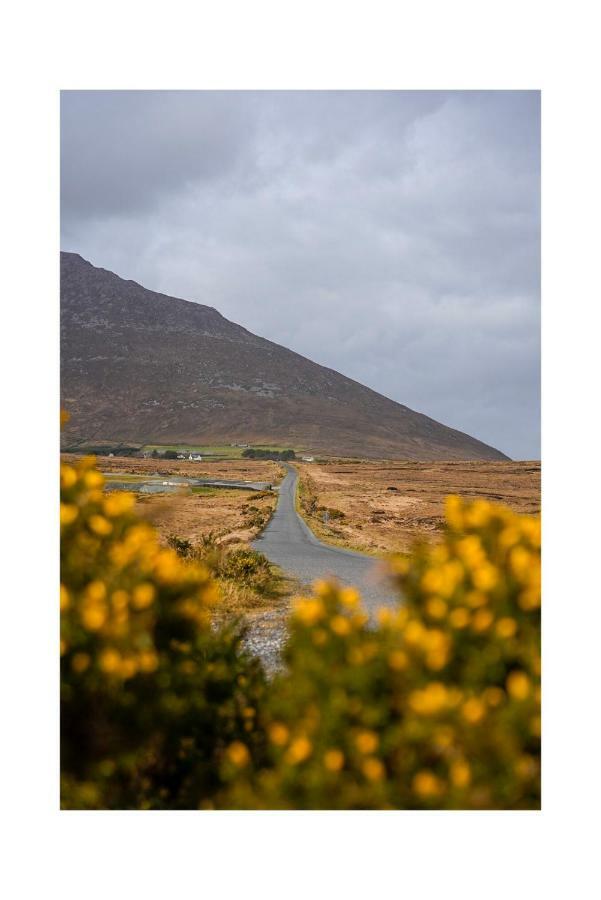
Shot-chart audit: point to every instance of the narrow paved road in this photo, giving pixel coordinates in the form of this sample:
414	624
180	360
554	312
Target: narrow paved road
288	542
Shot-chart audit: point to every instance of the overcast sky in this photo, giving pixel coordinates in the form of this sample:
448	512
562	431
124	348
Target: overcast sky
393	236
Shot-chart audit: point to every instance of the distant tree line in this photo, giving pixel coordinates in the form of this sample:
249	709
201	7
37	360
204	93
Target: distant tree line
256	453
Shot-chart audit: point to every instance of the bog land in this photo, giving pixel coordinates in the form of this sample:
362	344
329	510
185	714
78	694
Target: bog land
379	507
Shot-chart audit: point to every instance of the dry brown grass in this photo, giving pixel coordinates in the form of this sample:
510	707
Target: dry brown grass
379	520
226	513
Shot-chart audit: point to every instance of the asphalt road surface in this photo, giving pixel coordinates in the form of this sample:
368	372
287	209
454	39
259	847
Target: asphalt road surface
288	542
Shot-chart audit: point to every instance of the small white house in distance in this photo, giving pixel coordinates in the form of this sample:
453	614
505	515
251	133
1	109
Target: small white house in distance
195	457
308	458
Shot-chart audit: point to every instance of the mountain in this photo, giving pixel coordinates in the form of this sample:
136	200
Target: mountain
143	367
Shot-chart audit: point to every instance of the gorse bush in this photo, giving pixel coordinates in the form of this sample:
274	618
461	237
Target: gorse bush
436	705
151	693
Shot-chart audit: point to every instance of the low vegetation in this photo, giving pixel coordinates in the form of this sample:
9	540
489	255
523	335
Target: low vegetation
246	578
383	507
234	517
437	706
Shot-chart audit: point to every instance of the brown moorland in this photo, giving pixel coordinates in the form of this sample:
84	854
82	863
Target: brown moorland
227	469
231	516
379	507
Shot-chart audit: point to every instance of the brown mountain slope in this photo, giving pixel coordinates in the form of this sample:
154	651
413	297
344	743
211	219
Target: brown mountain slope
143	367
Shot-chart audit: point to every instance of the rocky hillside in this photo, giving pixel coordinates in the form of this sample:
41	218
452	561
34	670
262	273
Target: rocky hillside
144	367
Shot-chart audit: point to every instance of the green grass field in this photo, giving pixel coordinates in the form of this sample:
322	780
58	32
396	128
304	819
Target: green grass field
222	451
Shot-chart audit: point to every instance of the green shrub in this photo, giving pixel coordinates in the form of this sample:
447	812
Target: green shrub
181	546
247	566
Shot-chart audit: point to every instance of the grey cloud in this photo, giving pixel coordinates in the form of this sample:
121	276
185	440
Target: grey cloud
394	236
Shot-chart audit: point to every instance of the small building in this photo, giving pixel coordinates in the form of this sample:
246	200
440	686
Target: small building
195	457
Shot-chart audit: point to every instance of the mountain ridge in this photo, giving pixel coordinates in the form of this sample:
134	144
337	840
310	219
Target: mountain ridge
138	365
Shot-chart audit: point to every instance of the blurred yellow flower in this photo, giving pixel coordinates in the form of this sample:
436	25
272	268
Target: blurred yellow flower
64	598
93	479
426	784
367	741
518	685
120	599
143	595
470	550
148	661
454	511
68	477
373	769
473	710
531	529
309	610
333	760
529	599
429	700
128	667
509	536
278	734
436	608
506	627
485	577
68	513
110	660
460	773
460	617
340	625
349	597
432	581
483	619
299	750
118	503
478	514
238	754
414	632
475	599
95	591
99	525
93	616
520	562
